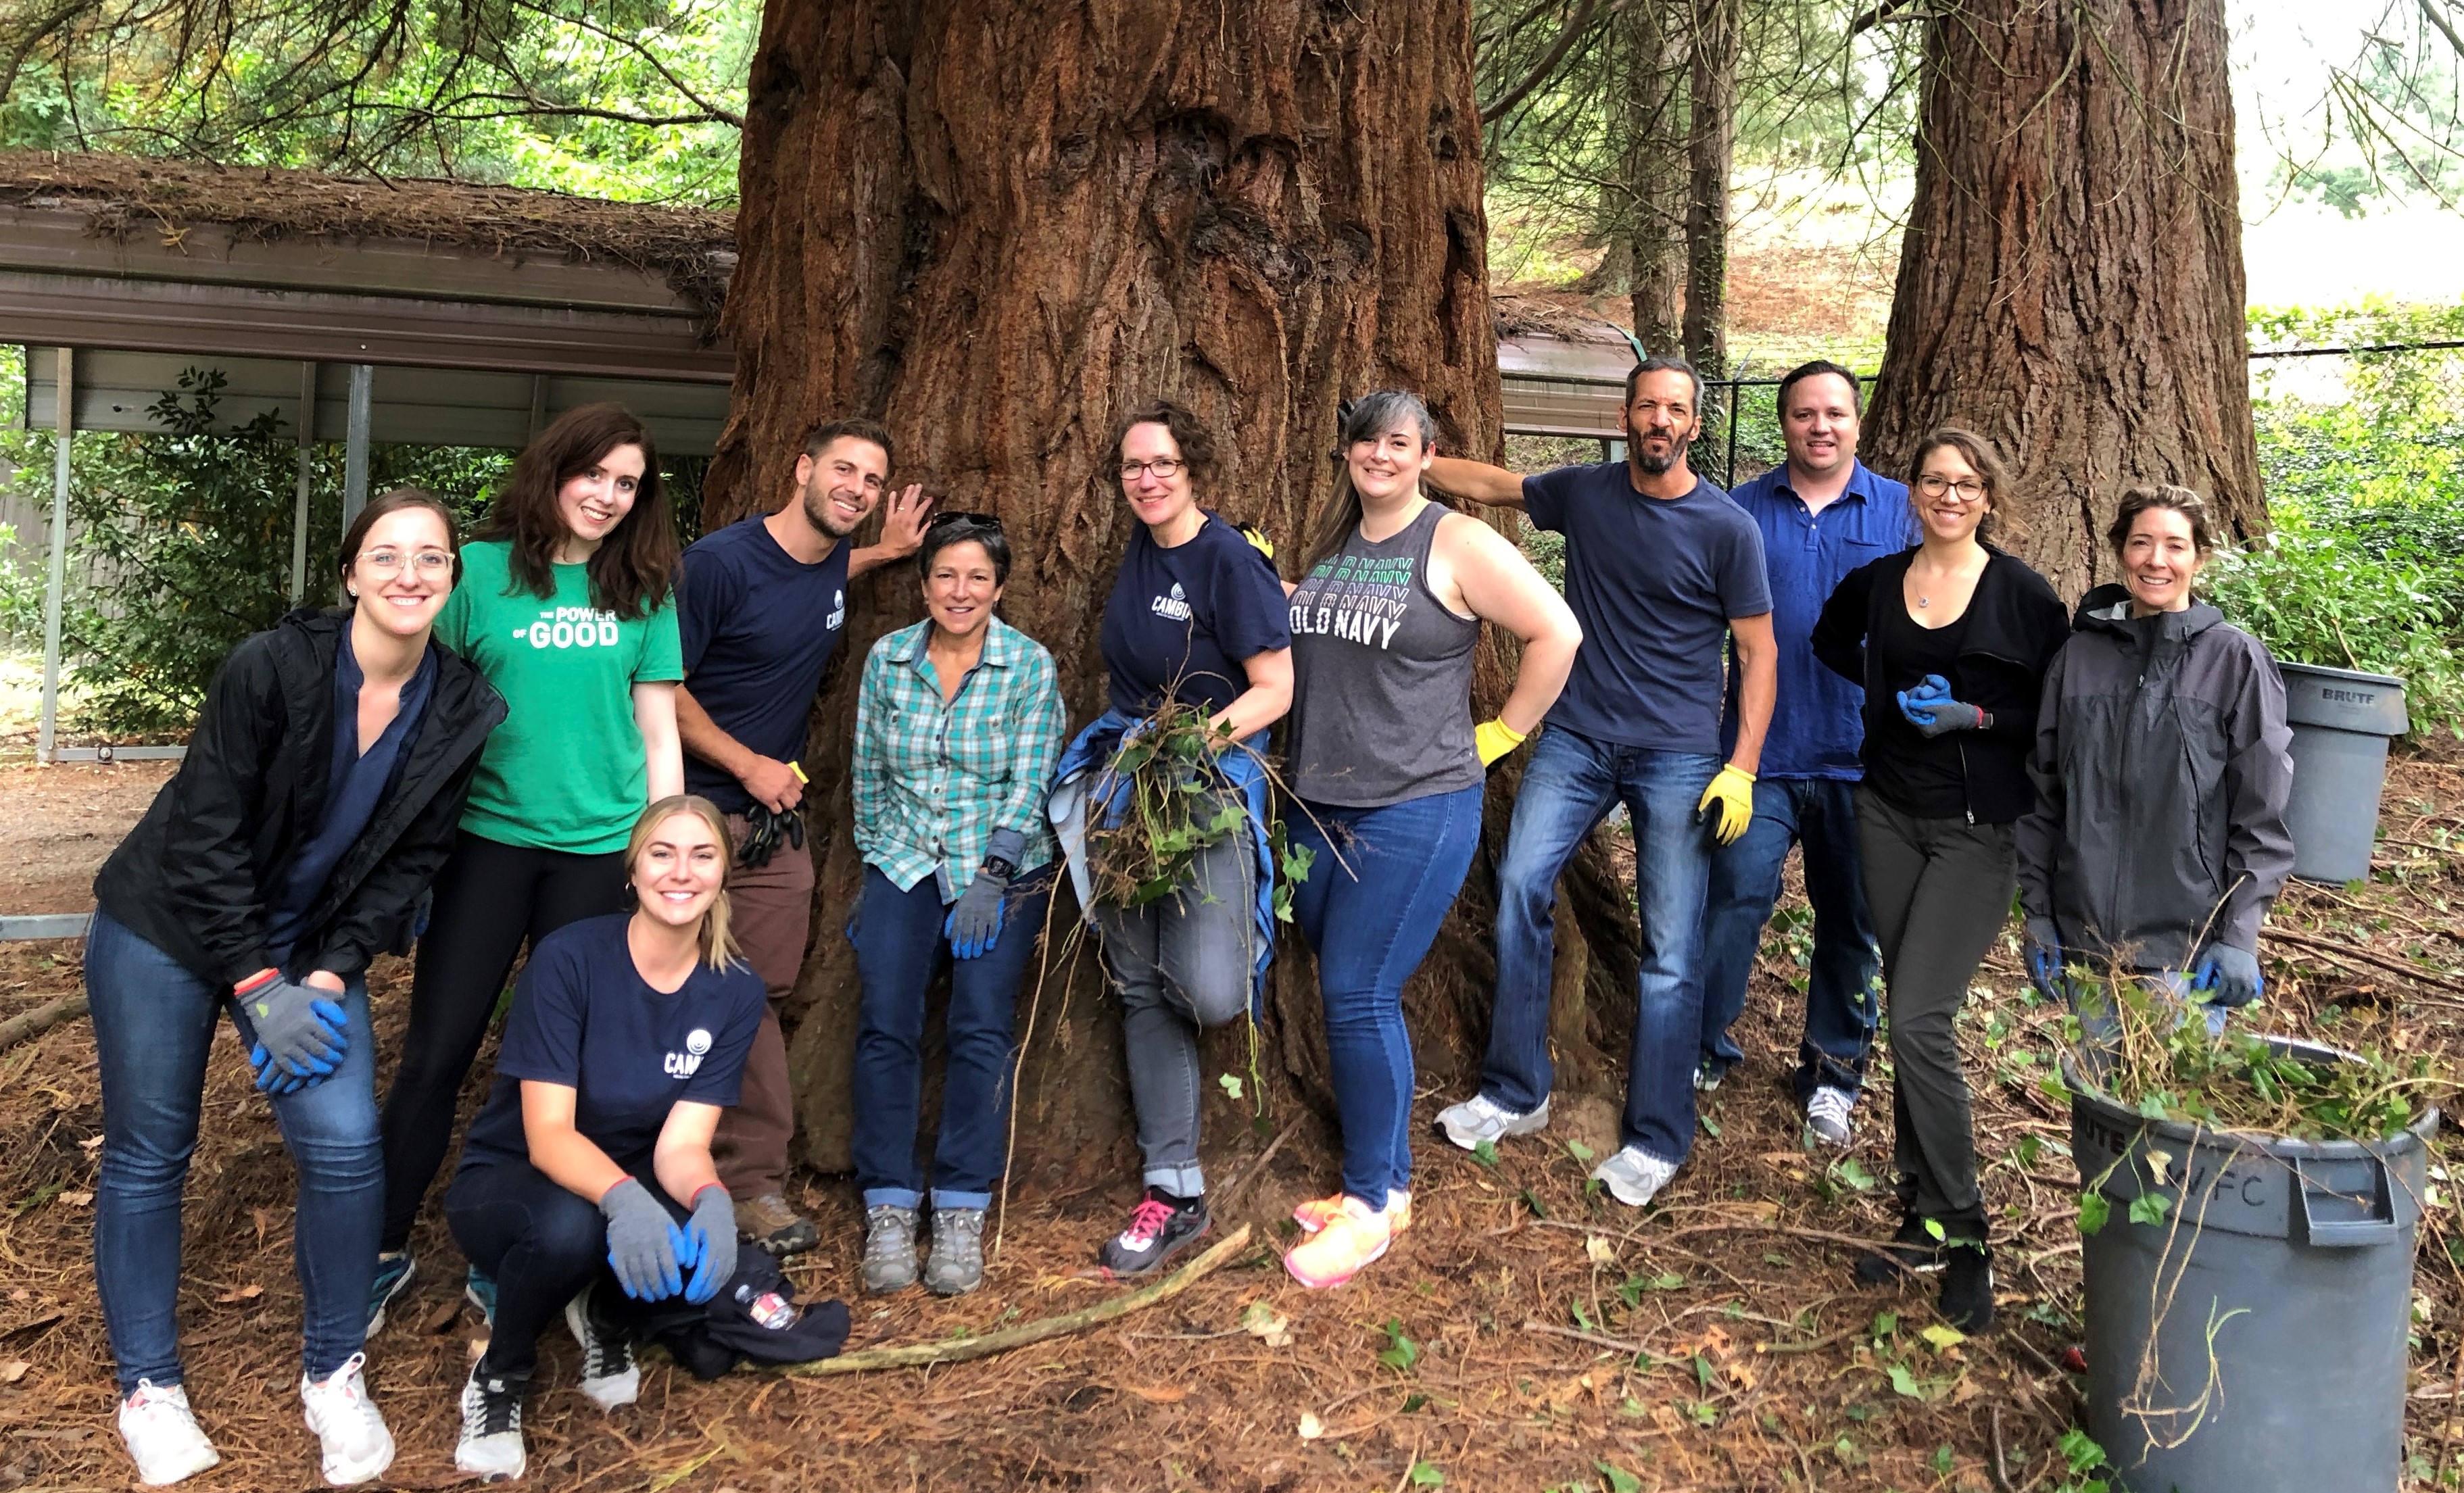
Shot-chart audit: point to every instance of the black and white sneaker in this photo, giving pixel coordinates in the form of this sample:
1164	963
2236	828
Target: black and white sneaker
1160	1228
610	1379
490	1447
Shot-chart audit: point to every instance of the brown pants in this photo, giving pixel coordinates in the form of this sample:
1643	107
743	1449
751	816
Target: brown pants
772	914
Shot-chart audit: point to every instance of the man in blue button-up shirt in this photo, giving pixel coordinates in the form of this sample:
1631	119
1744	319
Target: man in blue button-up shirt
1822	515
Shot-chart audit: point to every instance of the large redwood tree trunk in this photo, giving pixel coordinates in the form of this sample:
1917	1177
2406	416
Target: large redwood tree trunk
999	226
2071	284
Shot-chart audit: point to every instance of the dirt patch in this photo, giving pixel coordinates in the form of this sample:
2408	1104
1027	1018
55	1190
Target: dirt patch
59	823
1495	1346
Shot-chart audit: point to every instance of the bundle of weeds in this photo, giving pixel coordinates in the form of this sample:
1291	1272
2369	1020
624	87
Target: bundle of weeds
2157	1058
1174	805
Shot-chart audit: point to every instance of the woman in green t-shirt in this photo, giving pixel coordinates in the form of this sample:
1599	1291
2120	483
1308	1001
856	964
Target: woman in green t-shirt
565	605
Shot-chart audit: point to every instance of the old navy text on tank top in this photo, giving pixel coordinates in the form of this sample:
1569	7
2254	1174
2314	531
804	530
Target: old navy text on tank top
1381	676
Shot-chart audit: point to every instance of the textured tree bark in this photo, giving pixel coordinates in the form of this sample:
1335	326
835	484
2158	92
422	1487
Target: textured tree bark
2070	285
1656	103
1712	43
996	226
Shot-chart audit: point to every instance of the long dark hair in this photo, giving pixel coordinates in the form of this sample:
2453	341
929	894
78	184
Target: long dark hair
633	567
1364	419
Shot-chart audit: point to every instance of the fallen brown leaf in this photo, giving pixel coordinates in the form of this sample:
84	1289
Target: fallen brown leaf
1161	1394
242	1293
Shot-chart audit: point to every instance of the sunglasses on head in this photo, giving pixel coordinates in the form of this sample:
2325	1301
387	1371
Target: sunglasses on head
975	520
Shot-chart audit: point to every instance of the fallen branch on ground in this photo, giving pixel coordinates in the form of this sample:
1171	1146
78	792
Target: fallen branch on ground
2300	940
917	1355
40	1019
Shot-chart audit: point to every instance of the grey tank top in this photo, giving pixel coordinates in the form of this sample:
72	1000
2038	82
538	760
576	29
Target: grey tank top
1381	676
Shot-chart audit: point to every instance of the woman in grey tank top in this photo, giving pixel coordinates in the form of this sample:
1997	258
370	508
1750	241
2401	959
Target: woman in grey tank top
1388	766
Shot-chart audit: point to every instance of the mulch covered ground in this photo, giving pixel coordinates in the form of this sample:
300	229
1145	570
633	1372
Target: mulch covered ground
1524	1335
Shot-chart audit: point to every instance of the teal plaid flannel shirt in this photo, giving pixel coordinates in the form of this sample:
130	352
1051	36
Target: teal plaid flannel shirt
933	781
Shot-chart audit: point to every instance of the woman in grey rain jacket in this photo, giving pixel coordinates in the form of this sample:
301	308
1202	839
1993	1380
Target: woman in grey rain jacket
2161	769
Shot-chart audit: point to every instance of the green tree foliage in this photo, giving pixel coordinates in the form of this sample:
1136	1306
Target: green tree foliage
633	100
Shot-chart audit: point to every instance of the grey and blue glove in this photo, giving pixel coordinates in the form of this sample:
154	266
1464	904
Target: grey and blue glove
2044	950
710	1244
642	1243
299	1042
1930	709
2229	976
974	926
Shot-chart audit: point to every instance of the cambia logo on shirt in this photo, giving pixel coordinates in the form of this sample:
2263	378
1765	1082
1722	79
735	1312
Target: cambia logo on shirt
838	610
685	1063
1175	607
571	627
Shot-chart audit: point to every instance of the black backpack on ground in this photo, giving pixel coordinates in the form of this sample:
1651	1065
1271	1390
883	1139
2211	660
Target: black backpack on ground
754	1317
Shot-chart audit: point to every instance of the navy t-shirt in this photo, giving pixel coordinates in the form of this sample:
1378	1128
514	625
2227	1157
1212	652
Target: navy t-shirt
584	1017
758	626
1654	582
1191	614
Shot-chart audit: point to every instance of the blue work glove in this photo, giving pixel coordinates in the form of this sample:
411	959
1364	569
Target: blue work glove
974	924
1930	709
709	1243
642	1243
299	1040
2231	976
2044	950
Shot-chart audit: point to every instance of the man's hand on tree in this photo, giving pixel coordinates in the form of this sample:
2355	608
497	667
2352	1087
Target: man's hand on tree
774	782
902	525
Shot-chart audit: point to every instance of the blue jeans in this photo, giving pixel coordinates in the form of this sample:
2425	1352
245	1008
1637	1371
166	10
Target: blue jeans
1842	1000
1372	916
1570	783
899	949
153	1028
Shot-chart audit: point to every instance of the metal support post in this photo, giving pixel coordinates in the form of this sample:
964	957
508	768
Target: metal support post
355	443
56	580
300	504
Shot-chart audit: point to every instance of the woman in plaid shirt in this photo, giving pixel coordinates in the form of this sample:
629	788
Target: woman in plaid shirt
957	729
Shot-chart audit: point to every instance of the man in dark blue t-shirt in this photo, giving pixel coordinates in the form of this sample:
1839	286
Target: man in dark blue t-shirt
1661	570
761	607
1822	515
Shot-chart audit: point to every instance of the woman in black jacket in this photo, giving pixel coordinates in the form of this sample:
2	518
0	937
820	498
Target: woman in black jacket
2162	764
320	794
1950	640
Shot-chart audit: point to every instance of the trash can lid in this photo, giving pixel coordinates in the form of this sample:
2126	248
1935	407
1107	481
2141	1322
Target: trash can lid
2344	699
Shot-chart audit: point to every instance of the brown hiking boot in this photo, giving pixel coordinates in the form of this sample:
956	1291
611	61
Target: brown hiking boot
773	1228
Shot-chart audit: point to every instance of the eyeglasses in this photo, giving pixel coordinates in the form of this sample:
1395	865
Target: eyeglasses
1165	467
1971	490
385	564
954	515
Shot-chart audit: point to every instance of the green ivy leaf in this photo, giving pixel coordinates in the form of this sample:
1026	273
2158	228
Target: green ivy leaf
2093	1212
2149	1208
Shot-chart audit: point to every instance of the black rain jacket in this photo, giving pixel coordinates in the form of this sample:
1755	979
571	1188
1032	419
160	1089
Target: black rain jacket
2014	625
199	876
2162	764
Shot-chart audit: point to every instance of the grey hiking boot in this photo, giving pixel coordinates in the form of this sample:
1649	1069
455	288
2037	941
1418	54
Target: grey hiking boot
770	1225
888	1248
956	1264
1480	1118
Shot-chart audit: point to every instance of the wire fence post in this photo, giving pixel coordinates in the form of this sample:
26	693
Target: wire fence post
55	578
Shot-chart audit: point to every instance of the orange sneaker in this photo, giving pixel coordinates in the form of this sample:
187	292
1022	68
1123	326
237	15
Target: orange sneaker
1311	1215
1351	1238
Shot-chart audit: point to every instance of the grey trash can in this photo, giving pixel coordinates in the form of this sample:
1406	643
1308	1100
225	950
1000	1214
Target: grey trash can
2341	720
2279	1344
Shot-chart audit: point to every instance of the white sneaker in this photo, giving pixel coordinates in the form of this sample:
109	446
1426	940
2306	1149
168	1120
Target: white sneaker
1826	1114
358	1447
1634	1176
162	1436
490	1447
610	1379
1480	1118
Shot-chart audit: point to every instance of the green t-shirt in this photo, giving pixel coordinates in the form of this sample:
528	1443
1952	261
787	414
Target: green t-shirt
565	771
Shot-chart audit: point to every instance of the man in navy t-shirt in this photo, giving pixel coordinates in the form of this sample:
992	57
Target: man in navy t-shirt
1821	515
761	607
1661	570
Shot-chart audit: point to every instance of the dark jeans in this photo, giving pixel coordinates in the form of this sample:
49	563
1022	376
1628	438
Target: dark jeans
543	1245
1940	889
1371	915
153	1028
1842	998
491	899
899	947
1569	786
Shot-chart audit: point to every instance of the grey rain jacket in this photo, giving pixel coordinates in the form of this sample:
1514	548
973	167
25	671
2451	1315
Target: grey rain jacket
2162	768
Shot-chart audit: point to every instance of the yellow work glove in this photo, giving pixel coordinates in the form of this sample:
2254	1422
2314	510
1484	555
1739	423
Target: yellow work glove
1734	791
1257	540
1494	738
